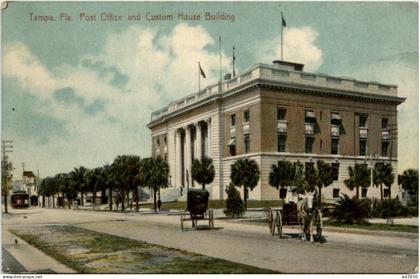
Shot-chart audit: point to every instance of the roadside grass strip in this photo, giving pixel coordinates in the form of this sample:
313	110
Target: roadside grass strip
362	226
87	251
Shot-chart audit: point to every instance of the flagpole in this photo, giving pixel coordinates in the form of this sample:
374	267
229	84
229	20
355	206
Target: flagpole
233	61
199	77
282	36
220	57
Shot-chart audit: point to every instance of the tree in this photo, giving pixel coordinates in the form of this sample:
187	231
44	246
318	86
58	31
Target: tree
92	182
282	175
52	186
383	176
234	204
68	187
320	177
118	167
79	177
351	210
202	171
359	176
245	173
154	174
109	175
131	175
42	191
409	181
299	178
324	177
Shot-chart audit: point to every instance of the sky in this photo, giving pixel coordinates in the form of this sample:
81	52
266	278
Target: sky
79	92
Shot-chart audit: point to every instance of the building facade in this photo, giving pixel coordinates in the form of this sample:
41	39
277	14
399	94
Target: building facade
279	112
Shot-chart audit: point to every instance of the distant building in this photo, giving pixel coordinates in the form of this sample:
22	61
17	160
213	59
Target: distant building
279	112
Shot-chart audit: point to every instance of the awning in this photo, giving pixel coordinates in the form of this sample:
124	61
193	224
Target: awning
231	142
335	116
309	114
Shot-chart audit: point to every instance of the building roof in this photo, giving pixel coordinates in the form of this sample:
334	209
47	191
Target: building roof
283	75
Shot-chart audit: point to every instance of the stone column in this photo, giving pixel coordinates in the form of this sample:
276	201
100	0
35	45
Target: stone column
198	140
188	156
209	138
178	157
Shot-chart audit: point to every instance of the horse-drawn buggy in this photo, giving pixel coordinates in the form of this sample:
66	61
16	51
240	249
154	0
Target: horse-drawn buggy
197	209
306	213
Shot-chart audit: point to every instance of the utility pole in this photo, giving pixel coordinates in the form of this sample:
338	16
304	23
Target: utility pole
6	166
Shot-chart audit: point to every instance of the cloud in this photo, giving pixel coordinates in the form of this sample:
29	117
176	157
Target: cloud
103	103
299	46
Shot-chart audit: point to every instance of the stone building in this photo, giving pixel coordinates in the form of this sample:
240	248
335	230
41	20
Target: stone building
279	112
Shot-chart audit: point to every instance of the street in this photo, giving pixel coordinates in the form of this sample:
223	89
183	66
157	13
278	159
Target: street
243	243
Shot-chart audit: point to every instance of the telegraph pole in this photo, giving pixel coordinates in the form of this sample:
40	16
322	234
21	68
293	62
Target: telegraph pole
6	147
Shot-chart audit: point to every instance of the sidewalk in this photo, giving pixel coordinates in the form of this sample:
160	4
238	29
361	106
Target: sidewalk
32	260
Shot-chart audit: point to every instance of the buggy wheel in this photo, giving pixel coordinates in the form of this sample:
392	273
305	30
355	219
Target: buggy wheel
211	223
271	221
279	223
182	221
319	225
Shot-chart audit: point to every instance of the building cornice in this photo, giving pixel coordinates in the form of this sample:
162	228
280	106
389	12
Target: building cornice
266	76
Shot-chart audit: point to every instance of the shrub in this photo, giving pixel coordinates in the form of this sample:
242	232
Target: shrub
388	208
350	210
234	203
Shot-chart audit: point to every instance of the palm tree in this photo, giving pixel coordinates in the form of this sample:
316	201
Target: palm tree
383	176
154	174
282	175
359	176
409	181
109	176
245	173
79	178
299	178
92	182
202	171
325	176
351	210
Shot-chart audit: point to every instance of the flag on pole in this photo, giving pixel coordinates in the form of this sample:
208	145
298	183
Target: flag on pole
283	21
201	71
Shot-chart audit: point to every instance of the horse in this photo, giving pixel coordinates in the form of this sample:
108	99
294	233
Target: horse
307	212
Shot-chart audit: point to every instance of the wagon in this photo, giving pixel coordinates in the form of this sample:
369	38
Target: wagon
197	209
288	215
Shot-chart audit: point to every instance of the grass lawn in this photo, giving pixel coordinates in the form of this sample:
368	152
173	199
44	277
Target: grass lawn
92	252
375	227
367	226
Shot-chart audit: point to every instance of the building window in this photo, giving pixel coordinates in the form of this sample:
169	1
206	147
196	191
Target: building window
320	145
281	142
386	193
233	120
158	141
363	120
309	142
385	145
281	114
336	193
364	193
362	147
232	146
246	116
246	143
384	123
335	169
334	146
165	140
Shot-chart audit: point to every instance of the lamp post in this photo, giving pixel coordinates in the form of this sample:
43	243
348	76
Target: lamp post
371	157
